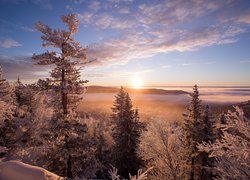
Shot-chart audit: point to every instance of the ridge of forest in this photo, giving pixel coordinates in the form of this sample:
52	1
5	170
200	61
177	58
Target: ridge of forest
105	89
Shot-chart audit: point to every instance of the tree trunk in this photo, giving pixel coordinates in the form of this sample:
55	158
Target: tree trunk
69	168
64	95
69	165
192	168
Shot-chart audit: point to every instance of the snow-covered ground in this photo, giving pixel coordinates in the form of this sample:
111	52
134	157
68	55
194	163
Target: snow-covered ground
15	170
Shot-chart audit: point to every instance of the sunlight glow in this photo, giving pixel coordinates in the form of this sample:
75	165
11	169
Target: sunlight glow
137	82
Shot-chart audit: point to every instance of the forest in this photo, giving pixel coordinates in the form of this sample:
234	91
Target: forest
42	124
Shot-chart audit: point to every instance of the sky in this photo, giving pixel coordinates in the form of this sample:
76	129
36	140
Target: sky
151	42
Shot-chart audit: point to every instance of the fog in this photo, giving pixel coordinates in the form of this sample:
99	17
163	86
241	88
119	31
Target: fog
168	107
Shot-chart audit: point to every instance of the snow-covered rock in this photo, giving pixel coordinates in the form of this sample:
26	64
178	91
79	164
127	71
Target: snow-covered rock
15	170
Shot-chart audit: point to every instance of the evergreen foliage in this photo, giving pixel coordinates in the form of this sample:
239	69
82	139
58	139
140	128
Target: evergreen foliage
209	136
67	152
25	98
65	77
7	110
232	151
126	133
6	91
198	128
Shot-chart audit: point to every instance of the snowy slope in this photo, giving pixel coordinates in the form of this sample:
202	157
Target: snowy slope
15	170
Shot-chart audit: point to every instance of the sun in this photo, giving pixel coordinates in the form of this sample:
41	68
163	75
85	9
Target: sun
137	82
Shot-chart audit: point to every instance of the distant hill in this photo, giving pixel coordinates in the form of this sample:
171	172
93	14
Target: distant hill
103	89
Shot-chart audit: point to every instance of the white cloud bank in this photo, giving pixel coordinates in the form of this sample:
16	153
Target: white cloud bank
9	43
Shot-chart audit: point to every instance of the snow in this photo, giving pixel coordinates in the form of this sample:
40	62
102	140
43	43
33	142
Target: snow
15	170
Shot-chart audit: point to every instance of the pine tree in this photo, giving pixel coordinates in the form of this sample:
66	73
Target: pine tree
70	153
209	126
67	86
126	133
18	91
209	136
7	109
25	98
198	127
193	126
66	74
102	150
6	91
7	99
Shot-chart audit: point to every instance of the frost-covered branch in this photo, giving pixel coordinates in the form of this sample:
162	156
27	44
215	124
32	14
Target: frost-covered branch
232	151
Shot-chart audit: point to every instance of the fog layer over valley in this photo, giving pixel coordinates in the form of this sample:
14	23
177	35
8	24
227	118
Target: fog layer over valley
167	107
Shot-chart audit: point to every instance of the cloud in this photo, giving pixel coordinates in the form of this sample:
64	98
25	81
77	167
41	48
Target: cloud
244	18
107	21
135	45
186	64
9	43
153	27
94	5
70	8
76	1
22	66
173	12
124	10
44	4
26	28
245	61
17	25
166	66
106	74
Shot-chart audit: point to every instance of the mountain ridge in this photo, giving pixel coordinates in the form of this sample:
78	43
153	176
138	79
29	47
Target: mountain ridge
105	89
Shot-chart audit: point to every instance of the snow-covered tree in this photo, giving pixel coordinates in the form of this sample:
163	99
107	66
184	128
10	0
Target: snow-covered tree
6	90
126	133
7	109
65	77
232	150
161	147
193	126
69	151
102	149
209	136
198	127
25	98
66	137
19	87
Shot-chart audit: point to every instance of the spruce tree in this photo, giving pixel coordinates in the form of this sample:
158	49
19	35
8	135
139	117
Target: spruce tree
6	91
193	126
126	133
7	110
25	98
67	86
70	154
209	126
198	128
65	77
102	150
18	91
209	136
